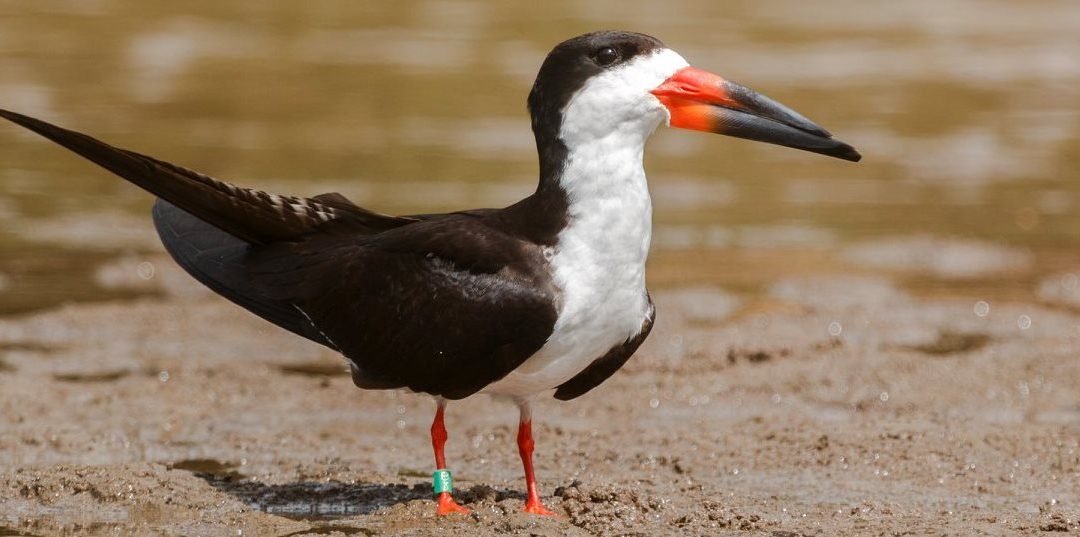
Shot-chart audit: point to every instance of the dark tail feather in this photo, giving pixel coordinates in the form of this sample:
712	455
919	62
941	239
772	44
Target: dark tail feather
250	215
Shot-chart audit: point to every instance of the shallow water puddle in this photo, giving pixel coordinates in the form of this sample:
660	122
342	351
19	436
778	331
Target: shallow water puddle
953	343
331	529
103	376
209	467
316	369
12	532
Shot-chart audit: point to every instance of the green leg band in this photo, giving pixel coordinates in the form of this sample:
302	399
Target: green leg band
444	482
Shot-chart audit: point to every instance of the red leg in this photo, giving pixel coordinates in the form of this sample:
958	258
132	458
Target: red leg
446	502
525	448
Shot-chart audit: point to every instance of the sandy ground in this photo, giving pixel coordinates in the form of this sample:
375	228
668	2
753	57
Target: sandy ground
836	405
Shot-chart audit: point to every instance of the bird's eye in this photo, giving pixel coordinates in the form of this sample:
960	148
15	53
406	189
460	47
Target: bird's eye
606	56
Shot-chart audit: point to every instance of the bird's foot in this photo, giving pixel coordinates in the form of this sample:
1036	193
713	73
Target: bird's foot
447	506
534	506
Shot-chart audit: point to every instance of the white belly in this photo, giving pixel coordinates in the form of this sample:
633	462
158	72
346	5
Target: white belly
581	335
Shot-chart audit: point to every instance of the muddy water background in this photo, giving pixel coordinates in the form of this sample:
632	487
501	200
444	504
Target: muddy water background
841	349
966	112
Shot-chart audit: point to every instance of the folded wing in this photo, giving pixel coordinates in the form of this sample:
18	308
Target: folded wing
416	307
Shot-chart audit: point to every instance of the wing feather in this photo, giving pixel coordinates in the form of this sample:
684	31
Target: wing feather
251	215
413	307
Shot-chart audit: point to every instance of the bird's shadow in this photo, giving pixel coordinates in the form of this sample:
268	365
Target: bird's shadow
323	500
313	500
303	500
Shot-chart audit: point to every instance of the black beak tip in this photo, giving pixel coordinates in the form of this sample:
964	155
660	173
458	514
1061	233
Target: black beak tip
846	152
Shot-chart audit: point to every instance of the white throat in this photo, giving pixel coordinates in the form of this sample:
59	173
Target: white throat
605	126
609	213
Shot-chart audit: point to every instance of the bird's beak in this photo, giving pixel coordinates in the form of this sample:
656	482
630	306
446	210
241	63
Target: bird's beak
702	101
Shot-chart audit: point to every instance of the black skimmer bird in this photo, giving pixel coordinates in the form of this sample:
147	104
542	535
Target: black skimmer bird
545	296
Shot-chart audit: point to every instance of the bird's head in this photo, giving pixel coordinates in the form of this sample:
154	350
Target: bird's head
623	83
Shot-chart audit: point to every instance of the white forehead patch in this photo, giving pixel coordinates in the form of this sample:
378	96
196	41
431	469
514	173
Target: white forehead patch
619	98
649	70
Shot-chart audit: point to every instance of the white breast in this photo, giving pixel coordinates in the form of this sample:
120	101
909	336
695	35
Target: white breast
599	260
599	267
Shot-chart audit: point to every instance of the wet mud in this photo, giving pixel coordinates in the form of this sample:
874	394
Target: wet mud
803	415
